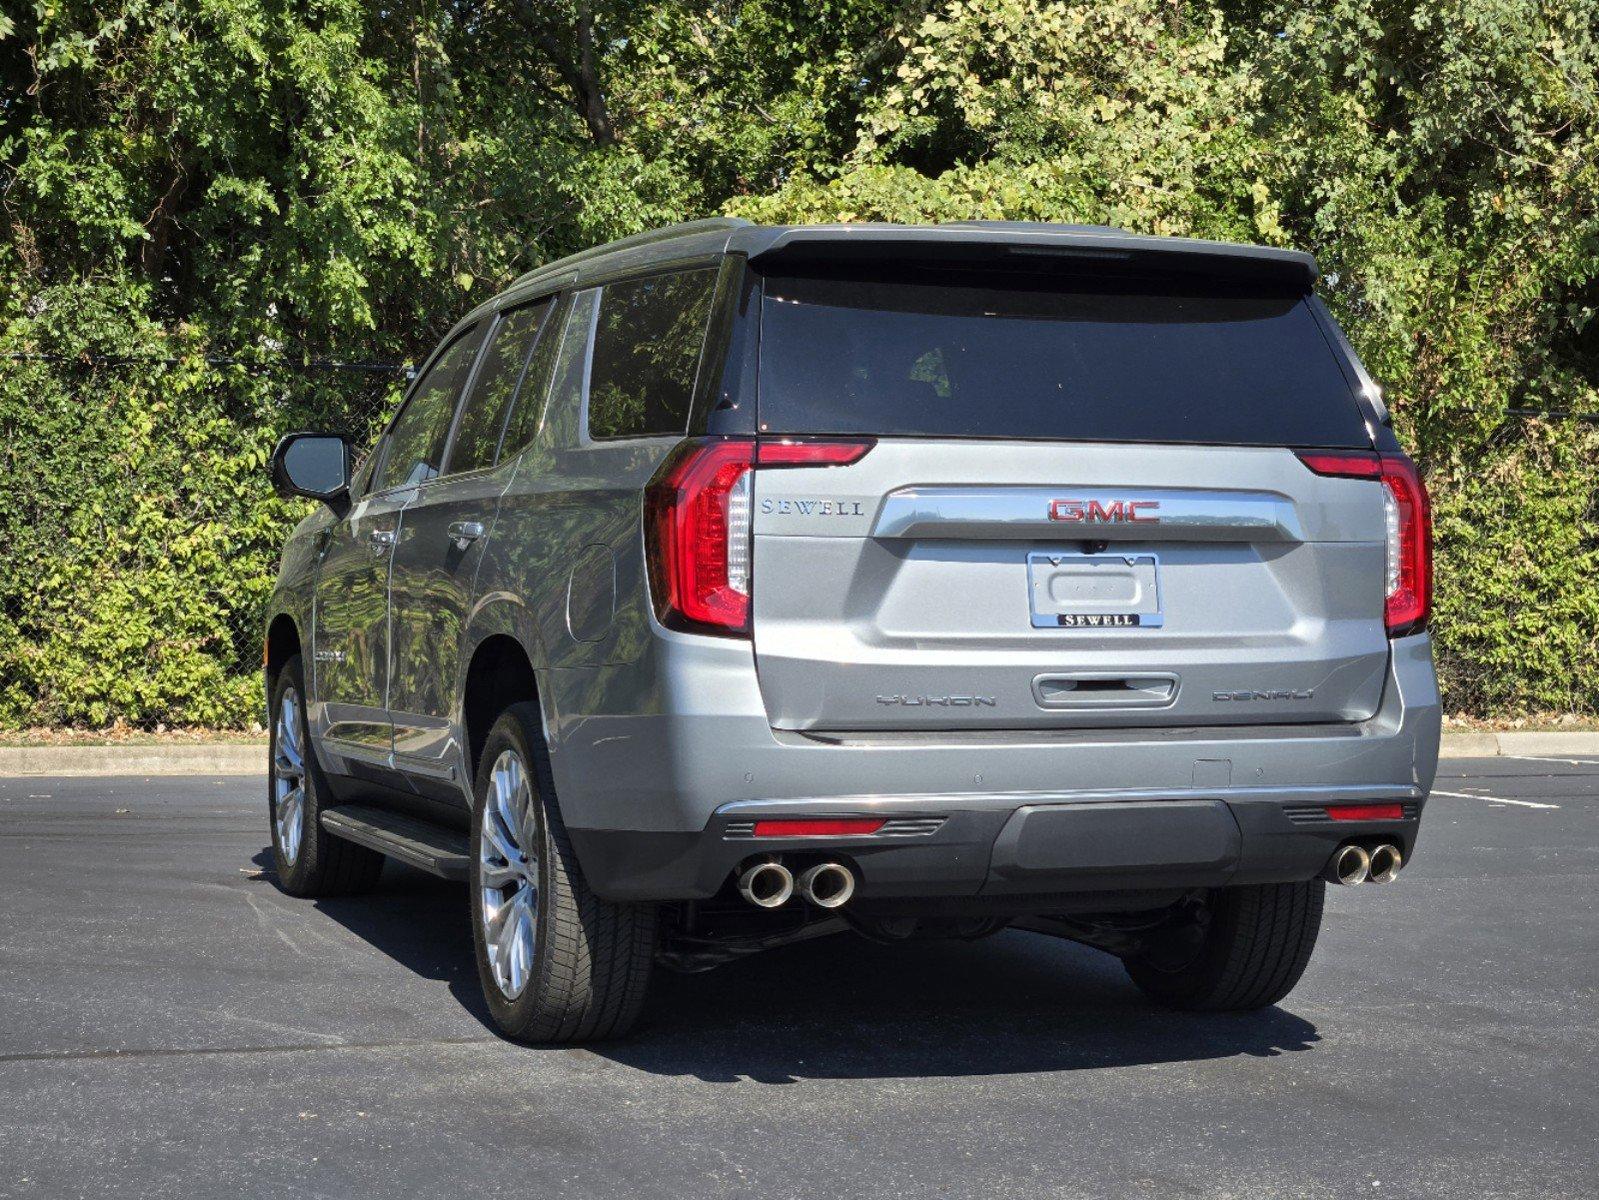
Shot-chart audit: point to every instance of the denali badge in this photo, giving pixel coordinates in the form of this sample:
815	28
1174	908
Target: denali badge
1083	512
1280	694
941	701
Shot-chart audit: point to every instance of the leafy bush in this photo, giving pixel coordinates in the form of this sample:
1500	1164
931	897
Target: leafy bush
142	540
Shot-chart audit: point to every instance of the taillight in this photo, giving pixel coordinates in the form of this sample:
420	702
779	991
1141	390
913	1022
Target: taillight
697	530
1407	515
697	525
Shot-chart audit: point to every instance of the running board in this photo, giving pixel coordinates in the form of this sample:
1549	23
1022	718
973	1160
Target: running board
421	844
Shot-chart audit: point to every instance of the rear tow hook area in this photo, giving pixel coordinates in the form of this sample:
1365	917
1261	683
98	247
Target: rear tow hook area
699	935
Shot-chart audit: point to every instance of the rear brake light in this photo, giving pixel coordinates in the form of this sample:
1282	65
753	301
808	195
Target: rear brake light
1365	812
791	453
1343	466
697	525
1407	512
818	826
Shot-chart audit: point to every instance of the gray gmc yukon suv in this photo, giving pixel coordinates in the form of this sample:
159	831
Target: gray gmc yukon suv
729	585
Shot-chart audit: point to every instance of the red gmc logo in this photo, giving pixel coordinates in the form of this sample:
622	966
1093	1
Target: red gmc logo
1084	511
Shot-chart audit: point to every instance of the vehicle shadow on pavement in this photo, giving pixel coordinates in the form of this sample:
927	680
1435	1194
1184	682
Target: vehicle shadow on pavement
846	1008
418	921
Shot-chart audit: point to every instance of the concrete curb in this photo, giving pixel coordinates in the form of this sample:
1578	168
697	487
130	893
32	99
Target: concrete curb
246	758
1583	744
220	758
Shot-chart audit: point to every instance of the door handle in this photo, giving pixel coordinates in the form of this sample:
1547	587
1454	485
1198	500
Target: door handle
462	533
381	540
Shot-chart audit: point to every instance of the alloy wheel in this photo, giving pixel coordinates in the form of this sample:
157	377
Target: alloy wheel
288	778
508	874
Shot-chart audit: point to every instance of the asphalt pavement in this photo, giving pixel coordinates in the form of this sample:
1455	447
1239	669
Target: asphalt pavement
171	1024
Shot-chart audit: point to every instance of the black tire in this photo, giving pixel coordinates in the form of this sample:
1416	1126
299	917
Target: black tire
591	958
323	865
1255	949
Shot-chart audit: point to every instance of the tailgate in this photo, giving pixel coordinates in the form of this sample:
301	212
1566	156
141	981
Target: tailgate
965	584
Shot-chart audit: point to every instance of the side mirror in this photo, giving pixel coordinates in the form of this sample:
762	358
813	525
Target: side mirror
315	465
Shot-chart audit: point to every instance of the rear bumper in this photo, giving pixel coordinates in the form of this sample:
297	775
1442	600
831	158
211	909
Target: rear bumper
1002	850
657	805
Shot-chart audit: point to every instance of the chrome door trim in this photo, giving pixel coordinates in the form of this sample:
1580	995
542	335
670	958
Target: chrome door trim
404	764
408	764
381	757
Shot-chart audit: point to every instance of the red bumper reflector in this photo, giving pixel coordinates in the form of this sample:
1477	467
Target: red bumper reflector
818	827
1365	812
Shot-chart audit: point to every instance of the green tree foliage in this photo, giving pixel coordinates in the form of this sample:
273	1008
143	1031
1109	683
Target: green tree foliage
278	184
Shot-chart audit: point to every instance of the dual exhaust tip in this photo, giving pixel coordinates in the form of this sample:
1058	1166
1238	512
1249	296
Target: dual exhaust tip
771	884
1352	865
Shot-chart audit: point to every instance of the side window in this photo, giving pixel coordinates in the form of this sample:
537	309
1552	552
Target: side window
416	440
528	408
361	478
646	348
477	432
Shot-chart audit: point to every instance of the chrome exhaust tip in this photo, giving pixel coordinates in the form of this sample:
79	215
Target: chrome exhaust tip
1349	866
827	885
766	884
1385	863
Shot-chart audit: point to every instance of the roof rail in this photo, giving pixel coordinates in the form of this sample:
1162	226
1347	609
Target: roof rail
684	229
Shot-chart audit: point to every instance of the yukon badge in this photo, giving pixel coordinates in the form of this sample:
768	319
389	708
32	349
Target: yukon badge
1084	512
940	701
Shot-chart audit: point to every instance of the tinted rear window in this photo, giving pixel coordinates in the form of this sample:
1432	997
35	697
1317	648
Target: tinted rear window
646	348
1130	361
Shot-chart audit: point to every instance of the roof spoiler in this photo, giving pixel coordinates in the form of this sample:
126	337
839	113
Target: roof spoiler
990	245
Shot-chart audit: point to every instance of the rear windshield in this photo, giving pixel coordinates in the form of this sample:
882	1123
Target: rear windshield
1126	361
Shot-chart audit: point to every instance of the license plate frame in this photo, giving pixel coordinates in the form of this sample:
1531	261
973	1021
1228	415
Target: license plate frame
1096	607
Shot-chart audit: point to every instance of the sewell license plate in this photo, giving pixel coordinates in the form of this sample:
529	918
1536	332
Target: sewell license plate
1072	590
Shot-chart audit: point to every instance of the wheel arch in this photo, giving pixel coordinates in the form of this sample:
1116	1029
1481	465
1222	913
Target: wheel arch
282	644
499	674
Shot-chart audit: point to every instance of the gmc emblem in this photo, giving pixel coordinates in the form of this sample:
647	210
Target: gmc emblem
1085	511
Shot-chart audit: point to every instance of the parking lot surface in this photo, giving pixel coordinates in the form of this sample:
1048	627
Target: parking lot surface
171	1024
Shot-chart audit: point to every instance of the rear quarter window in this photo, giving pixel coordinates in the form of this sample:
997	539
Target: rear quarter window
647	343
1125	360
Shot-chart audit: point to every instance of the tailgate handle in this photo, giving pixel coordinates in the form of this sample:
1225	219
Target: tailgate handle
1105	689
